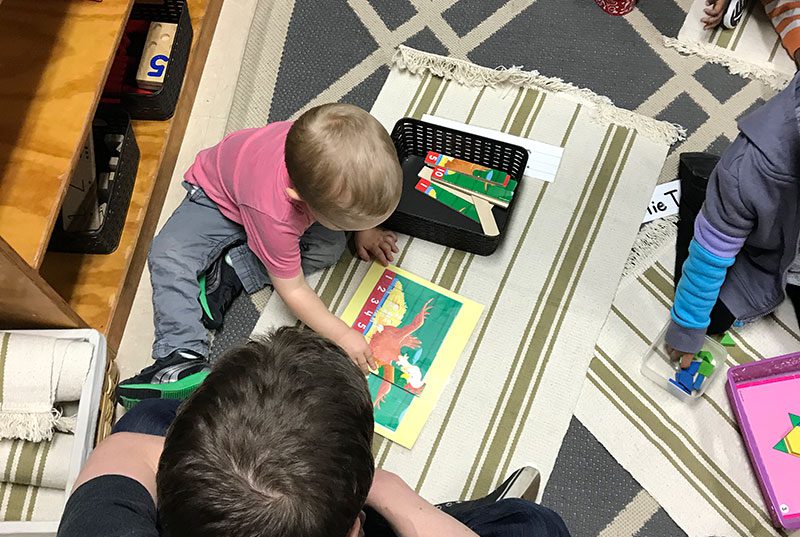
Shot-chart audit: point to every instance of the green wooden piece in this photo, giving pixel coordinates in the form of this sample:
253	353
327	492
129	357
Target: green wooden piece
473	184
795	420
705	356
706	369
450	200
781	446
727	340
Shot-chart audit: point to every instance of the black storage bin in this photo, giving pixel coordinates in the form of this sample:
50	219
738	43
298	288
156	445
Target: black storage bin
161	104
421	216
110	119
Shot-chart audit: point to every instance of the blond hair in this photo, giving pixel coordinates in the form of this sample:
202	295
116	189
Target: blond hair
343	164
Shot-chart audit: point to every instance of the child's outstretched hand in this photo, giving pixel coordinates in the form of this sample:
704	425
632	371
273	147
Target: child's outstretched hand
376	243
685	358
358	349
714	10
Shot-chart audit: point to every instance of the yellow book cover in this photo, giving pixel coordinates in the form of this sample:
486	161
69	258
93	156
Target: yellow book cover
417	332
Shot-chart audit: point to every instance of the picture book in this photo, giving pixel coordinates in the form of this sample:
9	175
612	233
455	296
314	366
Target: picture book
417	332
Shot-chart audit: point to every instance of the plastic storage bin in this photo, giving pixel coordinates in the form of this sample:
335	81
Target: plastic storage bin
88	410
110	119
161	104
658	367
420	216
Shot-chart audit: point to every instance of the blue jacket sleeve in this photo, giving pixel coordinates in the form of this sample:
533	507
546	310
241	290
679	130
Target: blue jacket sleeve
720	231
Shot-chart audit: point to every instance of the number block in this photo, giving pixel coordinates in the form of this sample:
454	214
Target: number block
155	57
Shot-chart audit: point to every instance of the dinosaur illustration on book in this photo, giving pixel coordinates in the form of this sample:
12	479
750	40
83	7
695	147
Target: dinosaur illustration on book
387	344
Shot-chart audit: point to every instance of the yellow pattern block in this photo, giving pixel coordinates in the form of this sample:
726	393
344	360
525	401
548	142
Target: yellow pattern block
793	441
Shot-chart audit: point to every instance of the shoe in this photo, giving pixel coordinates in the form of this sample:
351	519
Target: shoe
523	483
173	377
733	13
219	286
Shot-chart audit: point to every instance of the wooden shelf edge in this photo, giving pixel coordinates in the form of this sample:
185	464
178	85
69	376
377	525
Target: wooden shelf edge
160	144
38	151
191	83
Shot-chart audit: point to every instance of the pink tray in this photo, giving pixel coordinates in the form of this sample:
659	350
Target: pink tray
764	394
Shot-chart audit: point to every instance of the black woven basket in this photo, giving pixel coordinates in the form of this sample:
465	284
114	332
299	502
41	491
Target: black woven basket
421	216
113	119
161	104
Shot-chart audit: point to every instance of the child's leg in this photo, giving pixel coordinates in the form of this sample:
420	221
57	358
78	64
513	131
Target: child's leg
694	170
192	239
785	16
512	517
153	416
319	248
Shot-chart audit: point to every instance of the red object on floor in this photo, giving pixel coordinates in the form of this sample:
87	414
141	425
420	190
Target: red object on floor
616	7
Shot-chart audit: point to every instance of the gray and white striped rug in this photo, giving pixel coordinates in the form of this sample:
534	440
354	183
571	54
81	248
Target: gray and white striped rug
292	62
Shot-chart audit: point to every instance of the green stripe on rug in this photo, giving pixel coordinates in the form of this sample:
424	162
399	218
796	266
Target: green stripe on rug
12	457
562	314
556	284
457	257
489	314
34	492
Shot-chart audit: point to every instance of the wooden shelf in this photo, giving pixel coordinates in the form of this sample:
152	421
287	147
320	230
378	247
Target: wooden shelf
55	56
100	288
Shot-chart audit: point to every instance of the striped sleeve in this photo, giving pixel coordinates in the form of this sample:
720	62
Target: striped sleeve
711	252
785	17
720	231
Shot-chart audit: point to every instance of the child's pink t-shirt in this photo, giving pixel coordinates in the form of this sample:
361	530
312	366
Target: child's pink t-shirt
245	175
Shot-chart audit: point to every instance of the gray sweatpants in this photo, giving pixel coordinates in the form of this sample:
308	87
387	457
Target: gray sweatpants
193	238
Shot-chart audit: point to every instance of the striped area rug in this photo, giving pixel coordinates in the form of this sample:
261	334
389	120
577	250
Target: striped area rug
752	49
547	290
689	457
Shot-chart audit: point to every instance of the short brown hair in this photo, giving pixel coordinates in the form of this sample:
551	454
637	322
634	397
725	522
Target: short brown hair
276	441
344	165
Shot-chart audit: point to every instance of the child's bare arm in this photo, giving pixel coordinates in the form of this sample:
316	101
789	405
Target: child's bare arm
408	513
308	307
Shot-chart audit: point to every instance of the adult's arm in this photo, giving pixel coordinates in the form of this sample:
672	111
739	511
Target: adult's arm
114	495
408	513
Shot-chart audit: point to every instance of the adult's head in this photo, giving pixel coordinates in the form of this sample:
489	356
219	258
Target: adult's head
276	442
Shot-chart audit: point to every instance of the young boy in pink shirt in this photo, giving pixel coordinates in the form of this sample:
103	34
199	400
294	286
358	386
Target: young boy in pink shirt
266	205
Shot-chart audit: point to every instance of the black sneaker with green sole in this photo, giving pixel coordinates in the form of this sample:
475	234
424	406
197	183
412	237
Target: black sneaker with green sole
173	377
219	286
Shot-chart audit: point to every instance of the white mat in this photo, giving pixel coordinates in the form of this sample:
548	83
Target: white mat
689	457
752	49
547	290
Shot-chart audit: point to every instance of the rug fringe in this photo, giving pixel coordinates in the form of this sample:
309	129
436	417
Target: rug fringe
469	74
763	72
652	238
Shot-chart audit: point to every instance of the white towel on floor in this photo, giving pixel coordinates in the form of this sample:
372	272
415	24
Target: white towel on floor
36	371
